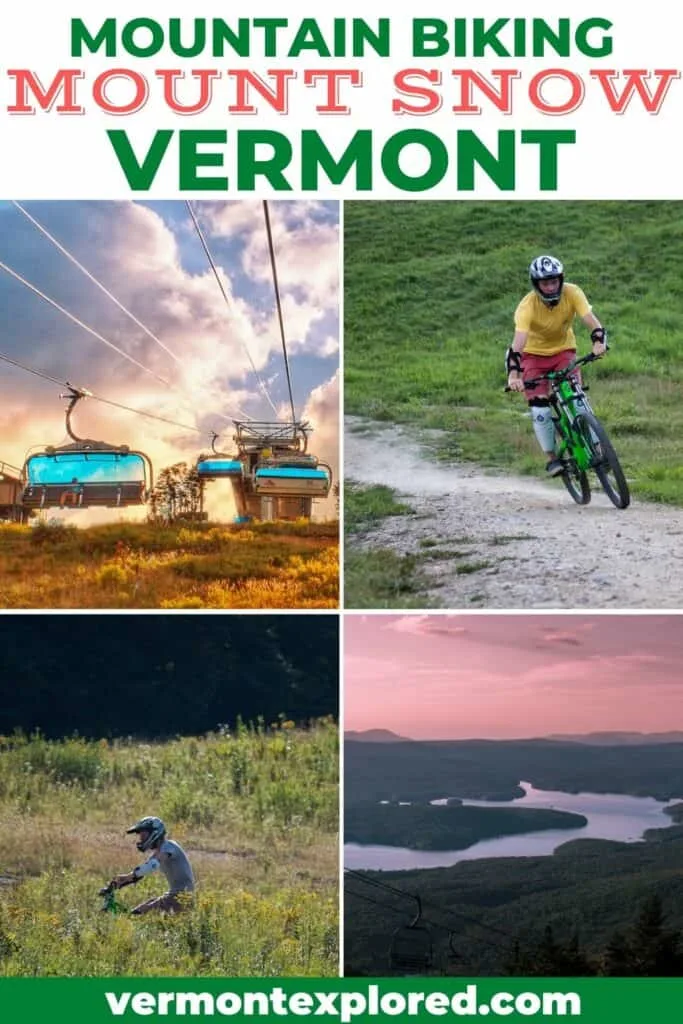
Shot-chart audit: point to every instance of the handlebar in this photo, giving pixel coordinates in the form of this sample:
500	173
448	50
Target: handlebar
558	374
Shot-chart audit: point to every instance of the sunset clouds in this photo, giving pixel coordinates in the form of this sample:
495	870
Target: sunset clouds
150	257
496	676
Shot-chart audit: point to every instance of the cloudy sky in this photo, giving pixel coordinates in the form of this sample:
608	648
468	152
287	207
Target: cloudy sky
197	369
501	677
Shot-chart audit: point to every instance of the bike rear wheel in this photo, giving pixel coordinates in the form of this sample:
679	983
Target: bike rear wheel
604	460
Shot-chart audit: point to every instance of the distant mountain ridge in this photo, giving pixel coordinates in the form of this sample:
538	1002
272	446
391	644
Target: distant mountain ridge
620	739
376	736
598	739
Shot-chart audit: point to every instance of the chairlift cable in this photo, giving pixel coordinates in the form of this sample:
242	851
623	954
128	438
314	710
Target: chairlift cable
437	924
110	344
278	303
38	373
384	906
94	280
425	903
212	264
149	415
369	899
456	913
99	398
80	323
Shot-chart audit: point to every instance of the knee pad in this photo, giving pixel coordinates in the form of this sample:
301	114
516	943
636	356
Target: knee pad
540	410
544	426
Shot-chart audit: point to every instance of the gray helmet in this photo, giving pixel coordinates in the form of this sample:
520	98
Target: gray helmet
156	829
541	269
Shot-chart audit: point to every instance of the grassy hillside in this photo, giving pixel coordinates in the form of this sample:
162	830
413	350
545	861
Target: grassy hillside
256	811
131	565
430	292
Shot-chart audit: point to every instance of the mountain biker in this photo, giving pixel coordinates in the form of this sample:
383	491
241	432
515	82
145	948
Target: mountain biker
544	341
165	855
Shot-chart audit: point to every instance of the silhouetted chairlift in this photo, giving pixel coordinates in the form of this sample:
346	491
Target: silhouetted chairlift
453	956
86	473
412	949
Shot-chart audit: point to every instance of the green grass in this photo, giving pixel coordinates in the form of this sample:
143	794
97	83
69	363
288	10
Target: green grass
257	812
364	506
380	578
430	292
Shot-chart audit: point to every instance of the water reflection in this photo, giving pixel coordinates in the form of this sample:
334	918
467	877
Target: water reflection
610	816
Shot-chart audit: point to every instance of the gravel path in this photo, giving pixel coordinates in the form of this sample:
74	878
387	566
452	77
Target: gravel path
567	556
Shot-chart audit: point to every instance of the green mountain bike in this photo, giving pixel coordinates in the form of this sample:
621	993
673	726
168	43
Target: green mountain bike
110	904
582	441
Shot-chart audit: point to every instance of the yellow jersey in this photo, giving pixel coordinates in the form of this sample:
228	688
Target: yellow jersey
550	328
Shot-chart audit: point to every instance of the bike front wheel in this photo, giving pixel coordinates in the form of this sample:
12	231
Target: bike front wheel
573	478
576	482
604	460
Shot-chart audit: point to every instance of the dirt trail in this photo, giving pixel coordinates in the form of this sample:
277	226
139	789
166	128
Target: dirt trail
570	556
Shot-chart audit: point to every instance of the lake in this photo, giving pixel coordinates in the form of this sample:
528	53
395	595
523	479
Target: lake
610	816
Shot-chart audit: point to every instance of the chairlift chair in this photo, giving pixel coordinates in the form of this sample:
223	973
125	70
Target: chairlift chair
273	476
85	473
217	465
280	463
412	948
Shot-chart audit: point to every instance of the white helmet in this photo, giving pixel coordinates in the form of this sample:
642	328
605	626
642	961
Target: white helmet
542	268
156	829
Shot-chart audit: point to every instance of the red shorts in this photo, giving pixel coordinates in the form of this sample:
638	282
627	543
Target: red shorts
534	366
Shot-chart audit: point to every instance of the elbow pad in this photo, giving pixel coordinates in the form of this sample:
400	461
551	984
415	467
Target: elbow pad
513	360
145	869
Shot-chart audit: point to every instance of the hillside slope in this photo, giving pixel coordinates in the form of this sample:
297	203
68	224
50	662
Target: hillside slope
430	292
440	462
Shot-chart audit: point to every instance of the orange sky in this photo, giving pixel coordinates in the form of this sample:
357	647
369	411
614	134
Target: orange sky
506	676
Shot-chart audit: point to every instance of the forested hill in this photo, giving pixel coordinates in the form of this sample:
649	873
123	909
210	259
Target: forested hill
488	769
589	893
158	675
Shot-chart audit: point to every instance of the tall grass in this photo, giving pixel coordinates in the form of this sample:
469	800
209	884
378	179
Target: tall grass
256	810
136	565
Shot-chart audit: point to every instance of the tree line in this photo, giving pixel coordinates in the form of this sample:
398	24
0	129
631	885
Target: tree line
159	675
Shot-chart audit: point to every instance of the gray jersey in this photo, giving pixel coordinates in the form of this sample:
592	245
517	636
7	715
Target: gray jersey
172	860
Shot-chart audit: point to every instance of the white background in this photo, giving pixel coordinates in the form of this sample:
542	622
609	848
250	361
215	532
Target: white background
629	156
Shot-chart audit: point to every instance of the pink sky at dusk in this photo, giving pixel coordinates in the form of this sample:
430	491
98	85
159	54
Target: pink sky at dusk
510	676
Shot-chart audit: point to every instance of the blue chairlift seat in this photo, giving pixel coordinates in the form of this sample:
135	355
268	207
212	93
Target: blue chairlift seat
216	468
292	480
84	479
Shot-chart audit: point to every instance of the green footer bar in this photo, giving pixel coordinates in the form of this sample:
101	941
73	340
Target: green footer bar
593	1000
